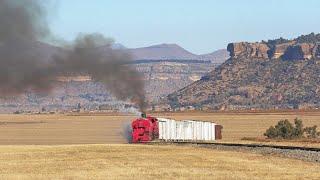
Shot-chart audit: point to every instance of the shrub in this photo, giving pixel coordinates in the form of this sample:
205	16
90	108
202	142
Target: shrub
298	130
271	132
286	130
311	132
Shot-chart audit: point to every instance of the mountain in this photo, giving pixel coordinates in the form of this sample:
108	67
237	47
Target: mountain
270	74
218	56
175	52
161	51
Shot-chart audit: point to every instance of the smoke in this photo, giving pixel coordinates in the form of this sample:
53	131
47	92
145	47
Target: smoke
127	131
93	54
24	21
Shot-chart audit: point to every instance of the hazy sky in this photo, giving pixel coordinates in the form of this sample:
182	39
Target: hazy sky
200	26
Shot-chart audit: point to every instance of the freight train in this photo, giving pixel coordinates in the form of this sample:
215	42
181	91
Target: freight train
147	128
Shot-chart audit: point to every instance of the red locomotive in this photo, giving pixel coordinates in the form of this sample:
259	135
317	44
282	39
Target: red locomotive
145	129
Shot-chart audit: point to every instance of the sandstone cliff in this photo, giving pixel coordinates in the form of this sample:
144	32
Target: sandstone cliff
262	75
291	50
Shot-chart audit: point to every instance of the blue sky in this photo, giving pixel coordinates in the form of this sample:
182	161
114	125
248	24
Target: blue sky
200	26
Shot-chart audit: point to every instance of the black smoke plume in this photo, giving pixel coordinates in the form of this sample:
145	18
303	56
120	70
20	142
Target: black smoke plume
24	21
93	54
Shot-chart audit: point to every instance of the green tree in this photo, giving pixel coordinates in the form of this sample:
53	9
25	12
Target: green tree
311	132
298	129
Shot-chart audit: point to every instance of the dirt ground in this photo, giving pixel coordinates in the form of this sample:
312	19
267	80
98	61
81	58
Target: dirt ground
110	128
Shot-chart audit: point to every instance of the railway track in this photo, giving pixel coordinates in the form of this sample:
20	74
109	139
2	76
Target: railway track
255	146
240	145
297	152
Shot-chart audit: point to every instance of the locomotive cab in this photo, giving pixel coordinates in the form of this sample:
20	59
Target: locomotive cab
145	129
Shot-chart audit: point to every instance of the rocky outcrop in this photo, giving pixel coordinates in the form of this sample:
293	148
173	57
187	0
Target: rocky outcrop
279	50
299	51
256	50
316	51
237	49
260	50
287	51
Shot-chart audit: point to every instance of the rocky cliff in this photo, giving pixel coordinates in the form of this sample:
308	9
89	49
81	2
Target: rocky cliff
262	75
288	51
254	50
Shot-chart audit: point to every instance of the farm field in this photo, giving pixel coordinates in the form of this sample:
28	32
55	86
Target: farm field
62	129
124	161
85	146
237	125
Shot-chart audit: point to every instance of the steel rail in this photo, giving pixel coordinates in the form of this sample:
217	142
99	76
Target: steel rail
283	147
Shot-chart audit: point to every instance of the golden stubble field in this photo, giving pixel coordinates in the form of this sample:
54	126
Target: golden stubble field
94	147
145	162
245	124
109	128
62	129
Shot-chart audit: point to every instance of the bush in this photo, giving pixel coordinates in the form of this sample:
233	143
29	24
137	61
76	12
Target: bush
311	132
286	130
298	130
271	132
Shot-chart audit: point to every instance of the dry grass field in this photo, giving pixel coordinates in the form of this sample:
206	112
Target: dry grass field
67	149
245	124
145	162
237	125
61	129
109	128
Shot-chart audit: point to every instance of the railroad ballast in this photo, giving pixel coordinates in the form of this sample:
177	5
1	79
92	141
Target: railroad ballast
147	129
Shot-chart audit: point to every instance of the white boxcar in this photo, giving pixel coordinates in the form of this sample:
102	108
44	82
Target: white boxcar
186	130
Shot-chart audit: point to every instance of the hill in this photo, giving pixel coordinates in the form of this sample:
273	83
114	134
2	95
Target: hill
175	52
218	56
161	51
263	75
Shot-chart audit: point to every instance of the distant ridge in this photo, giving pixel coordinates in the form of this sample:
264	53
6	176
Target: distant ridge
162	51
218	56
170	52
175	52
